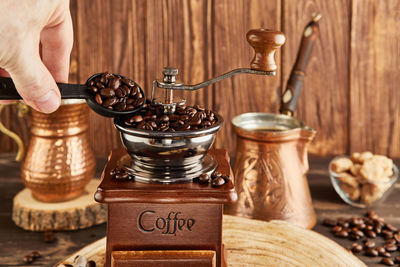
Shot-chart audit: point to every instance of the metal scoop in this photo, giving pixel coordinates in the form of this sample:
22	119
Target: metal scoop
70	91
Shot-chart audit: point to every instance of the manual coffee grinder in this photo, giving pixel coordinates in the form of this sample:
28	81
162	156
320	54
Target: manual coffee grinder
163	216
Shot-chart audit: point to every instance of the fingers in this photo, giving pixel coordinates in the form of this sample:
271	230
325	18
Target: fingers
6	102
34	76
32	79
56	45
4	73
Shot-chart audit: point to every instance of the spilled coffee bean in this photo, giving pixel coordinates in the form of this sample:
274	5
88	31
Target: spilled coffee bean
371	252
120	174
356	248
204	178
30	258
387	261
216	179
217	182
36	254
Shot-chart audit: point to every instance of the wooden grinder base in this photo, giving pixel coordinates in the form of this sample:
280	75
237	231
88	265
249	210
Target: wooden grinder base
166	225
79	213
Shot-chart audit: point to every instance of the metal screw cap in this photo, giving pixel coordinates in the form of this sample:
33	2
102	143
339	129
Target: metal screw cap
170	71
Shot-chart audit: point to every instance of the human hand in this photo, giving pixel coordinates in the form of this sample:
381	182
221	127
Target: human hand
35	47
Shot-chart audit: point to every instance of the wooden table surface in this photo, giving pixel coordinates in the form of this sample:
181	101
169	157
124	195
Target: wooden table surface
15	242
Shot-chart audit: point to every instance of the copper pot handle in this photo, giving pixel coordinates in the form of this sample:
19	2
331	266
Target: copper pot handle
22	110
291	95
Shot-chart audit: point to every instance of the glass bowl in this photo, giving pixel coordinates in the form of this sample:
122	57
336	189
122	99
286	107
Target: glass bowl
366	194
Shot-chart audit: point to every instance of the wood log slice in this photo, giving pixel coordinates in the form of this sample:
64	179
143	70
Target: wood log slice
258	243
79	213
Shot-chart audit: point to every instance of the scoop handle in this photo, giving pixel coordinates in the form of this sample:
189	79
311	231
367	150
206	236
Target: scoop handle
68	91
291	94
265	43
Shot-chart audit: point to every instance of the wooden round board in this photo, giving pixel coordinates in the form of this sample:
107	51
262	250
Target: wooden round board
258	243
82	212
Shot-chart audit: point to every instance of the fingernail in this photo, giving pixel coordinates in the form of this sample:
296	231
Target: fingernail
48	103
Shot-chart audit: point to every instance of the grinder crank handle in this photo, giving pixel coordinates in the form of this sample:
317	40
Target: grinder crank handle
68	91
265	43
293	88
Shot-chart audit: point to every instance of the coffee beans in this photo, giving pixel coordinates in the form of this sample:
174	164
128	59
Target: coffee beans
120	174
115	93
28	259
369	244
385	254
387	261
371	234
36	254
204	178
342	234
216	179
365	229
390	247
329	222
32	257
371	252
381	250
152	117
356	248
217	182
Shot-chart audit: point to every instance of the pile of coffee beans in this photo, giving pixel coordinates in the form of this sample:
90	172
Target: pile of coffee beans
364	230
216	179
185	118
116	93
31	257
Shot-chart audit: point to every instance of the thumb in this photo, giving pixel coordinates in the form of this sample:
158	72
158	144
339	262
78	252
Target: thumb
34	82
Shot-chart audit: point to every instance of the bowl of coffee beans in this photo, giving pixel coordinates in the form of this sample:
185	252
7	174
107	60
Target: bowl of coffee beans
157	139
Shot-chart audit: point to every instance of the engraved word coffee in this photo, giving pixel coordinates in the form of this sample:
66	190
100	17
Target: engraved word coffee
149	221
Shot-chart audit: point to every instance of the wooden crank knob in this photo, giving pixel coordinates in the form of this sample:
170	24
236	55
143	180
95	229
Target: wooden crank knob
265	42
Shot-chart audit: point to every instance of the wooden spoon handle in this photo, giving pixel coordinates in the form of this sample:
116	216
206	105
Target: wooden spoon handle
293	88
265	42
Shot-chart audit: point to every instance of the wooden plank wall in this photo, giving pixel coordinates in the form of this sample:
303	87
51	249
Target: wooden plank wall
350	95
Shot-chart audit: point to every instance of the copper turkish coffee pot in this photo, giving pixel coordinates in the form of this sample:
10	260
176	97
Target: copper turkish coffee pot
271	154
